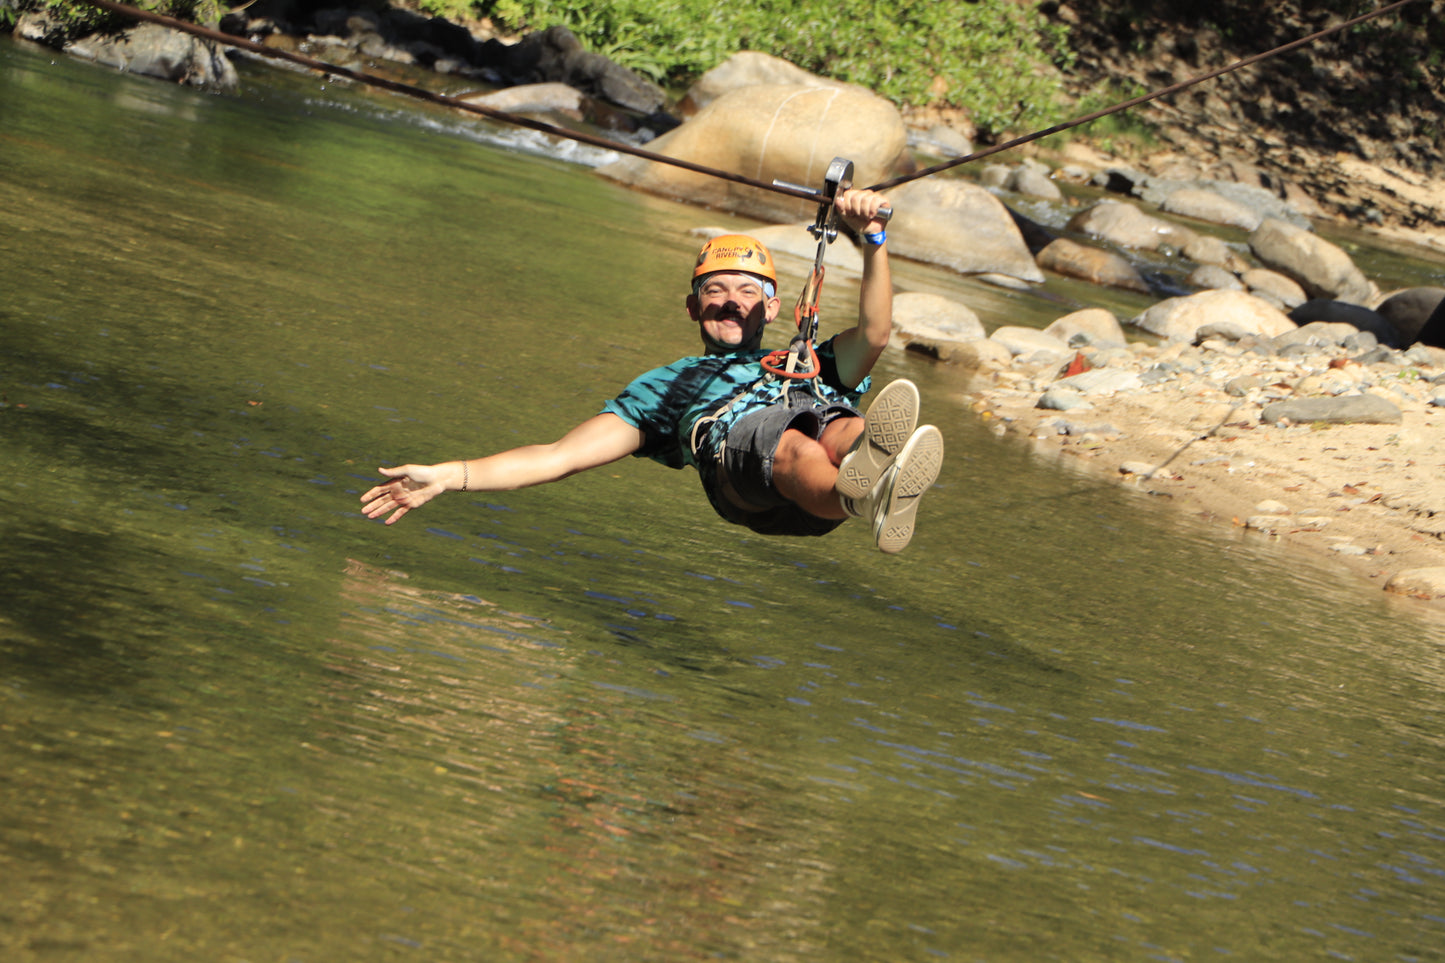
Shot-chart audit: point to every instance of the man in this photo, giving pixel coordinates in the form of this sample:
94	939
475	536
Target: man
779	456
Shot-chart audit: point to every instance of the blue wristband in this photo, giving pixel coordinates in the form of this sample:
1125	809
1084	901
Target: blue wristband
876	239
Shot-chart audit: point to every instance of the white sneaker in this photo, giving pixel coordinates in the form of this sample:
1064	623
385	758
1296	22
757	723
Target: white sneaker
914	470
886	427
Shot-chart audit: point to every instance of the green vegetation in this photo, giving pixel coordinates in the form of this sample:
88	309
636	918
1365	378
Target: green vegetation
998	58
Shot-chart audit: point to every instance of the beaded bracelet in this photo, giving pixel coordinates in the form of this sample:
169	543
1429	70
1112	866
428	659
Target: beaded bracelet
466	476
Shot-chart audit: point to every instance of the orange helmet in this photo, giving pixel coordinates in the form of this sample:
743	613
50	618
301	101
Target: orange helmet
735	252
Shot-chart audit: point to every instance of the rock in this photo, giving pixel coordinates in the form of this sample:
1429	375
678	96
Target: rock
1101	381
1220	331
1322	269
1344	410
959	225
556	55
1423	583
1141	468
1281	288
1208	249
1178	319
1357	316
1062	399
1208	206
1243	385
1127	226
1033	183
154	51
1214	278
995	176
1098	324
532	99
1328	333
1021	340
1092	264
773	132
750	68
1408	310
1274	524
934	323
1271	507
968	354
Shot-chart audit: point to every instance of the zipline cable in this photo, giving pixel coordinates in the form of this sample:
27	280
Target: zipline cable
1136	101
207	33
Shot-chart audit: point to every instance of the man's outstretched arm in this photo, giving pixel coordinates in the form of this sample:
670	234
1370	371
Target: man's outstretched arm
597	441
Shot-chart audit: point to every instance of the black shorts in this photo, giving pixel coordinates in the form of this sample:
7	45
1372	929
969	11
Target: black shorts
742	490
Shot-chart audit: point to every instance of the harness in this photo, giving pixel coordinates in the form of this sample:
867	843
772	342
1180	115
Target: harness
796	366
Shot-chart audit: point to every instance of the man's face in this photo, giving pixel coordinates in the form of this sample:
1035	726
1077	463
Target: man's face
731	309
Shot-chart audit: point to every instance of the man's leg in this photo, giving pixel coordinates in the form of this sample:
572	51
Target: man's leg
806	469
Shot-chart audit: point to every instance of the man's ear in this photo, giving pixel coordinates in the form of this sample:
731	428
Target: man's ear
693	306
771	312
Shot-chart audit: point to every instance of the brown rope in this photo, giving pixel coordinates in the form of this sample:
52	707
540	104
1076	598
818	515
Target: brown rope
1136	101
207	33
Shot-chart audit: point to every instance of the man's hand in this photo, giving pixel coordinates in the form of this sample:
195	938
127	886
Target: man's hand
412	486
859	210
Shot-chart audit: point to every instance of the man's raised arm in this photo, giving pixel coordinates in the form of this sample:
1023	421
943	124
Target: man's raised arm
858	348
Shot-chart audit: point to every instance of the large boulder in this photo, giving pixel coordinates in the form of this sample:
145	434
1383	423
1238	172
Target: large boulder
771	132
749	68
1177	319
934	324
1074	260
1321	268
1127	226
147	49
961	226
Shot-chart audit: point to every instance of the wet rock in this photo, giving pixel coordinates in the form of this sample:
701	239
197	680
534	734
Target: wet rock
1322	269
532	99
1343	410
1271	507
1071	259
1178	319
967	354
1219	330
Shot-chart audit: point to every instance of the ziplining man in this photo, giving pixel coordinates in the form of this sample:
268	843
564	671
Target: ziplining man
778	456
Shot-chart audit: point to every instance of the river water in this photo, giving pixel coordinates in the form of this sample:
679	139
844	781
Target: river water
589	721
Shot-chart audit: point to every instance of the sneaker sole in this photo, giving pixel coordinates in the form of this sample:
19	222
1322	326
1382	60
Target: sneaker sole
917	468
887	427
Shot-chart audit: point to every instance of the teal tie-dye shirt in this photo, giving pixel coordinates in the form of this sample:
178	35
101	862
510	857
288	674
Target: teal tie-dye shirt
666	402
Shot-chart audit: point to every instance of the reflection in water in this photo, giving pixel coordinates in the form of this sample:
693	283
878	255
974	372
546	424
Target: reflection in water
591	722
